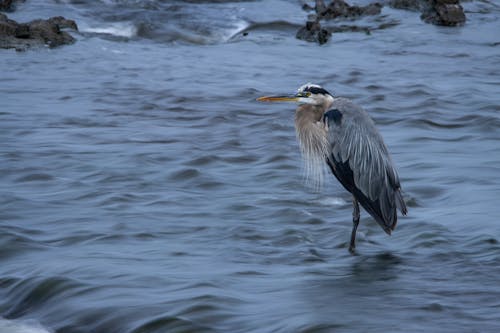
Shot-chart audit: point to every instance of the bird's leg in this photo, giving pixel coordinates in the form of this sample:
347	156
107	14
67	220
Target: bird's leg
355	223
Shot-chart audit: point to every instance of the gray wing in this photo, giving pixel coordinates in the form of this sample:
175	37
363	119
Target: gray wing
362	164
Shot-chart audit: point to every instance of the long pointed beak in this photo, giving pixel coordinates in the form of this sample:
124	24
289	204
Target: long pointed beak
278	99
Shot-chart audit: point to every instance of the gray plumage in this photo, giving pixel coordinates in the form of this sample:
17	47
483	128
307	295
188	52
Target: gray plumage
361	162
341	133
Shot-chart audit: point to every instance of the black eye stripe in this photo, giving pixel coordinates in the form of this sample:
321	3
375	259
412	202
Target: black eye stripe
317	90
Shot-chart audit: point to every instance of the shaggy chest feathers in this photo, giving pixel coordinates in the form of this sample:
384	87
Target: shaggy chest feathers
312	136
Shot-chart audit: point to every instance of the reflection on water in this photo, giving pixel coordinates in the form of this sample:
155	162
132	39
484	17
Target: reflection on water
382	267
144	189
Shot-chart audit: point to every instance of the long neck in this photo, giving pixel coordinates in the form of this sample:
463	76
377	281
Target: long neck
310	130
314	112
312	137
308	113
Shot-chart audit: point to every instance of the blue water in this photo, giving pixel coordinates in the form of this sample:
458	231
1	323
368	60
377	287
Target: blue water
144	190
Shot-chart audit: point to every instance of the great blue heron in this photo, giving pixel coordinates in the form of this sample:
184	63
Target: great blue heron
338	131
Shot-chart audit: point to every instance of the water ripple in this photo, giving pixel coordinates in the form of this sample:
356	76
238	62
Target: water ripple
143	189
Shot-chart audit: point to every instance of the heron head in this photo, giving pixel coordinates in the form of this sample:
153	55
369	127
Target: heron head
309	93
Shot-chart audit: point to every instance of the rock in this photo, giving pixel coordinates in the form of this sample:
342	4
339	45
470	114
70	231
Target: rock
371	9
350	28
307	8
340	8
439	12
447	2
414	5
313	32
320	7
7	27
8	5
63	23
444	12
22	36
5	4
451	14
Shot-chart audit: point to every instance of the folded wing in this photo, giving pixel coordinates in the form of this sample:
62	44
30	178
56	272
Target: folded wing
361	162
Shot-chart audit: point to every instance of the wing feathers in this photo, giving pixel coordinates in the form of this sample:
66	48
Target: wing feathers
360	161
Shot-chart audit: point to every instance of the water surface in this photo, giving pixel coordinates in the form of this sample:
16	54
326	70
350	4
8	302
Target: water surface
144	190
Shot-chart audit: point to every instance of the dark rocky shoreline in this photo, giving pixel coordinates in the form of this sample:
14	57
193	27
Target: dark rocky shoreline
37	33
23	36
34	34
438	12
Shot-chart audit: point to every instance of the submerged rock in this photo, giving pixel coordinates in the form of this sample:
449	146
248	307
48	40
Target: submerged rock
21	36
444	12
307	7
340	8
313	32
413	5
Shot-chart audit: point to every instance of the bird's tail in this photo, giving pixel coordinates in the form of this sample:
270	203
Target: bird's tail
400	203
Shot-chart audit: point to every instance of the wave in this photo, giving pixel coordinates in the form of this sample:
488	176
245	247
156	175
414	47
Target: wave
17	326
118	29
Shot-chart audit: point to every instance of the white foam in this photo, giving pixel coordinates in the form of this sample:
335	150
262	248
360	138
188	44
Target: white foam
332	201
119	29
238	27
17	326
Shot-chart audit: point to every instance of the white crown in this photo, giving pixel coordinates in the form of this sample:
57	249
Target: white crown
308	85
